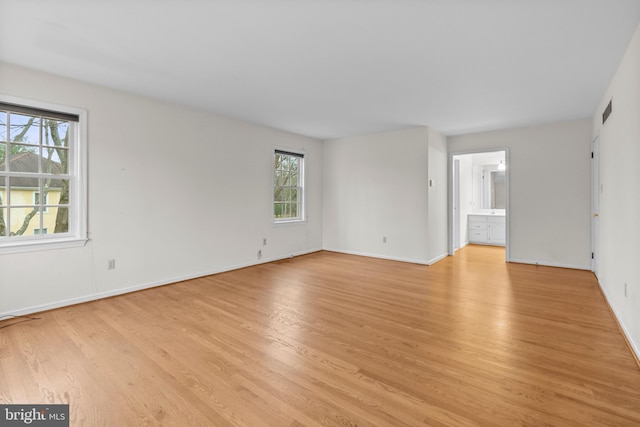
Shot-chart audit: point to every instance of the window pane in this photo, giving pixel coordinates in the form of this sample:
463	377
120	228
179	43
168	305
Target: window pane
294	210
3	127
3	221
56	133
58	191
24	220
286	179
24	129
54	160
284	163
4	181
294	194
294	180
53	190
277	210
277	178
277	194
24	158
293	163
56	220
22	190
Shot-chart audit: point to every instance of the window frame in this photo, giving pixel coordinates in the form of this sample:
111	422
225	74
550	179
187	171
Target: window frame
301	187
77	171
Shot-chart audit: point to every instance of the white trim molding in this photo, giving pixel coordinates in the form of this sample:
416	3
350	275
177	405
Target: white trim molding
634	346
551	264
370	255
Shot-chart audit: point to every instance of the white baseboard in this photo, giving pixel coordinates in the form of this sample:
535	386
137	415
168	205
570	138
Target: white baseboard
634	346
465	244
438	258
551	264
121	291
369	255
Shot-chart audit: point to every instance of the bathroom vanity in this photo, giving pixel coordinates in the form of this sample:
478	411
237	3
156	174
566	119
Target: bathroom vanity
487	229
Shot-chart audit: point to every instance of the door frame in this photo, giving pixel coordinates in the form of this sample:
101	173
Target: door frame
595	204
456	204
451	214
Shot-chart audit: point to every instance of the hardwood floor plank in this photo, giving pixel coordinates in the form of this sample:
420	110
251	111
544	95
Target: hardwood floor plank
332	339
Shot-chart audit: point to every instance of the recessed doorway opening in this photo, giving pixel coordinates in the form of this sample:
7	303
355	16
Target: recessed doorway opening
479	199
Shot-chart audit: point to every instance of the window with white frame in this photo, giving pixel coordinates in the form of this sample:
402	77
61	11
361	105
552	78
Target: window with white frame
42	179
288	186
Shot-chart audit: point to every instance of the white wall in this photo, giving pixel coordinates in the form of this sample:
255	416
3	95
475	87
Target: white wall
550	179
437	219
477	193
173	193
619	246
376	186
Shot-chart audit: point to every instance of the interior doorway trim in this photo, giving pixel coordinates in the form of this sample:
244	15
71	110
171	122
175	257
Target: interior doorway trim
451	214
595	205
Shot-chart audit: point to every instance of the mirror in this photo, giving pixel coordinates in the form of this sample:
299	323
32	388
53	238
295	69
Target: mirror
489	188
498	190
483	182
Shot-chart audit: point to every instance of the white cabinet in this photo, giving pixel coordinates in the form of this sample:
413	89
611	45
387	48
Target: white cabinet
487	229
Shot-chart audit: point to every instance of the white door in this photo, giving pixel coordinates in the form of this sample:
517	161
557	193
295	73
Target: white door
595	205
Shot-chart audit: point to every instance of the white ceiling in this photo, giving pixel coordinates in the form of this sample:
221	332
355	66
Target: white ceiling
333	68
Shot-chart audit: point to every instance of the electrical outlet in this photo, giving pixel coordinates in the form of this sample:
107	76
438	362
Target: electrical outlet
111	264
260	254
384	239
264	241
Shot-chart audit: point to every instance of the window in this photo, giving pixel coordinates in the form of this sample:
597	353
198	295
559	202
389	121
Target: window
42	178
288	187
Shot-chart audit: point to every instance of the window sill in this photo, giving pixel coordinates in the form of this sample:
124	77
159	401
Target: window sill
289	222
41	245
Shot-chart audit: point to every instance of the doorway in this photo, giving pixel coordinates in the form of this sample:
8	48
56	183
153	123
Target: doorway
479	199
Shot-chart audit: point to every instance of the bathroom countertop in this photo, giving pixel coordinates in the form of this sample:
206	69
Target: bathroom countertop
487	214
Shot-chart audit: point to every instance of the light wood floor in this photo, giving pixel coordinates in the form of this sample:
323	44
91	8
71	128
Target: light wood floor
332	339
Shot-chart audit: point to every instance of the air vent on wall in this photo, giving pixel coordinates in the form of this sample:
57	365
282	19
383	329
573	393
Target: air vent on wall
607	113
